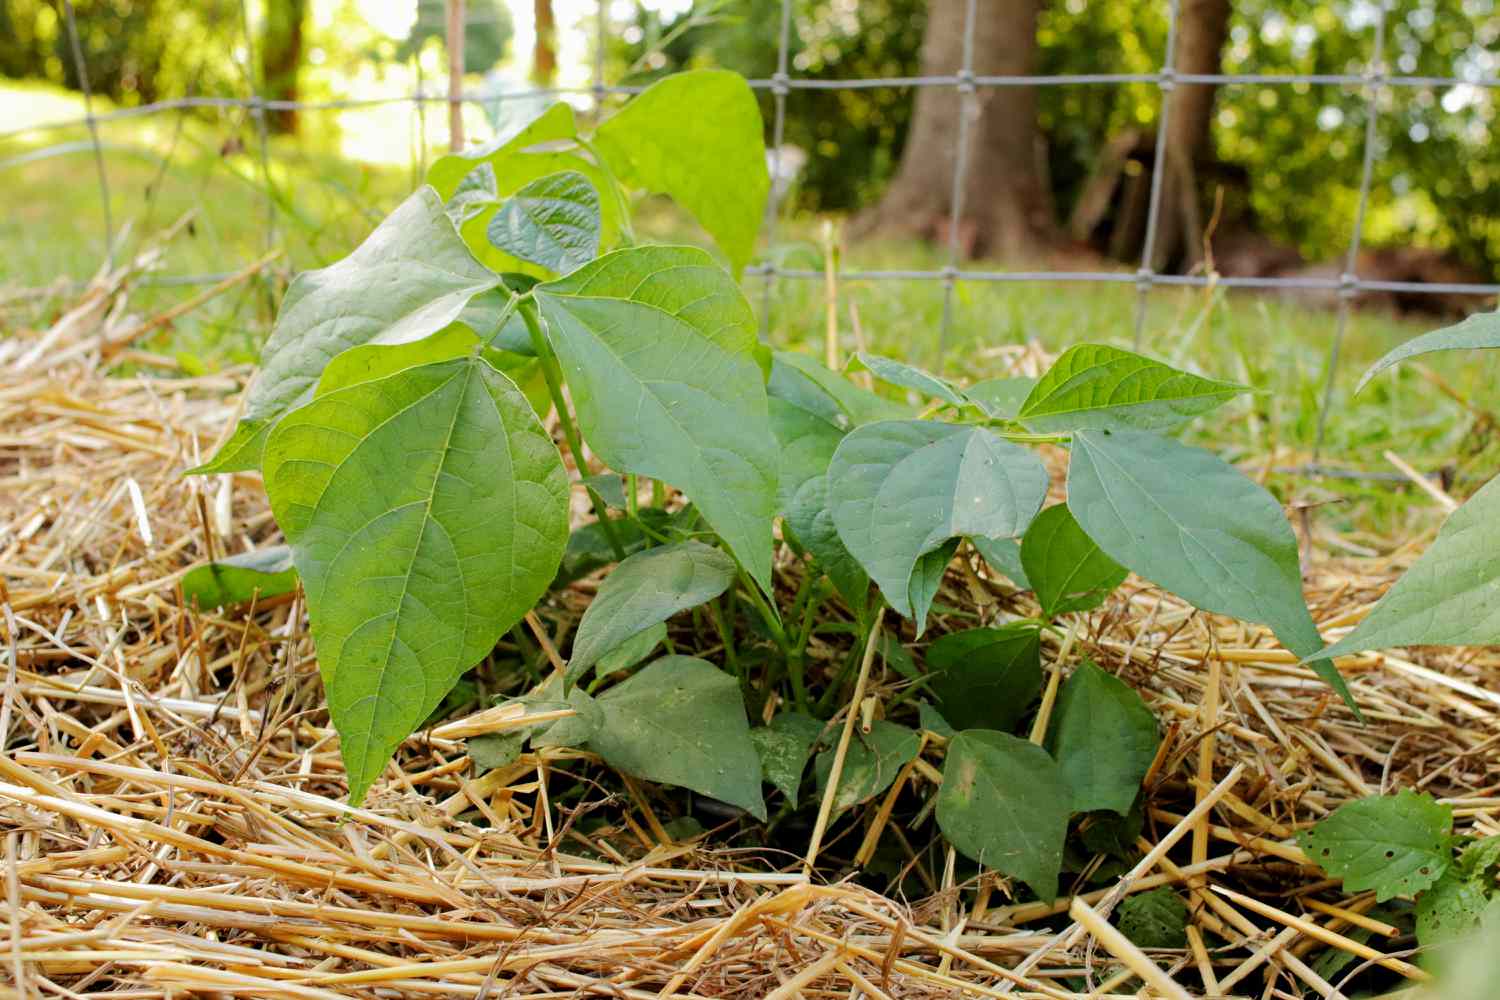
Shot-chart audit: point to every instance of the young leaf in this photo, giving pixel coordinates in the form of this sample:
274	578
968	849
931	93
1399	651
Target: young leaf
784	747
554	221
1092	386
1004	804
632	651
1451	909
698	137
870	765
658	346
899	489
410	278
1193	524
1003	555
986	678
1154	919
1064	566
1450	595
248	576
476	191
1397	845
1104	738
681	721
860	405
910	377
1478	331
644	590
811	523
410	579
1001	398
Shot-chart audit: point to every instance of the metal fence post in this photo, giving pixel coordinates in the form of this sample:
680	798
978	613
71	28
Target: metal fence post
1165	82
968	108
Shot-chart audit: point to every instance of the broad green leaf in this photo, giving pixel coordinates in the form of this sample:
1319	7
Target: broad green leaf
986	678
811	523
554	222
447	173
1092	386
589	548
1156	918
1004	804
492	319
575	730
476	191
861	406
632	651
489	751
927	579
1397	845
1451	909
900	489
807	443
910	377
658	347
1001	398
1482	330
698	137
870	765
248	576
933	721
411	578
1068	571
1104	738
784	747
409	279
681	721
1450	596
644	590
1003	555
1113	834
789	383
1193	524
610	486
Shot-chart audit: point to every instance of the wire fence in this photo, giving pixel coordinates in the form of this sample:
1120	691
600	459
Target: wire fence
1374	81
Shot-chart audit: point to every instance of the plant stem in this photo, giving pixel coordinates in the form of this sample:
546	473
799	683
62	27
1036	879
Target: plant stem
726	636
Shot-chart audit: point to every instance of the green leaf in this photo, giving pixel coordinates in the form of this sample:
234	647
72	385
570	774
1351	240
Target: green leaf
986	678
1481	857
792	385
807	442
861	406
489	751
1003	555
784	747
899	489
1064	566
1450	596
1482	330
811	523
493	321
1104	739
1004	804
1001	398
645	590
411	578
575	730
873	761
409	279
1156	918
447	173
554	222
1196	526
680	721
658	346
1397	845
910	377
476	191
632	651
1092	386
248	576
927	579
933	721
698	137
1451	909
610	486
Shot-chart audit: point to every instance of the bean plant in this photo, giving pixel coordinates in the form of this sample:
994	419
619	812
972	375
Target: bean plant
397	420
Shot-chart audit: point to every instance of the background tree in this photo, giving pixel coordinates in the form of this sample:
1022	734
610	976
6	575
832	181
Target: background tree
487	32
281	58
544	49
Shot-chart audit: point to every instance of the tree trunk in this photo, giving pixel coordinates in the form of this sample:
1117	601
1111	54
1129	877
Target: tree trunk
281	59
1007	202
1202	26
544	49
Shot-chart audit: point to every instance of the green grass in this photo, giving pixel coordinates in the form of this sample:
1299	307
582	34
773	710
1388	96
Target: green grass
163	167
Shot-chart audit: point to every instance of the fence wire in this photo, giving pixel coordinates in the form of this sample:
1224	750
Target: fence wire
966	85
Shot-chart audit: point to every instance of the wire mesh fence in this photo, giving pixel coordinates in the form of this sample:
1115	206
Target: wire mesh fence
966	86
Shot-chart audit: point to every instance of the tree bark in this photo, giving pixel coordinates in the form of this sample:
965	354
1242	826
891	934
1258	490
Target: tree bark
544	49
1007	206
281	59
1202	26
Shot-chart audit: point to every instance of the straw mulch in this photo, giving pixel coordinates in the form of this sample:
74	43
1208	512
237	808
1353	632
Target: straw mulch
173	801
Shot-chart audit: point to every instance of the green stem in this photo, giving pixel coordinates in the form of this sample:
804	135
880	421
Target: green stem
552	372
726	636
510	307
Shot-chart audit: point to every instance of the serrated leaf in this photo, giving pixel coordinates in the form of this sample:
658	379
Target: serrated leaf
1196	526
1003	555
1004	804
256	575
907	376
811	523
987	678
1095	386
643	731
1156	918
784	747
927	579
698	137
1482	330
410	278
1450	596
1064	566
1104	739
553	222
872	762
658	346
1451	909
860	405
1397	845
645	590
900	489
410	579
1001	398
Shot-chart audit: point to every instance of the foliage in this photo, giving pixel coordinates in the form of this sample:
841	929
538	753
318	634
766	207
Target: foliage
1156	918
248	576
487	32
